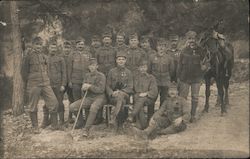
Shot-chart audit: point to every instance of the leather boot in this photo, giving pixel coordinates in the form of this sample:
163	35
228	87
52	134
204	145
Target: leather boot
79	123
90	121
54	121
193	111
61	118
46	120
34	122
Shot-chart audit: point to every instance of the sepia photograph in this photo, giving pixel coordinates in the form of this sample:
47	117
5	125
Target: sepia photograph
124	79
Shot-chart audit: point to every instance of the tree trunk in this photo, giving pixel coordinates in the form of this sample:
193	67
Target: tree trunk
18	85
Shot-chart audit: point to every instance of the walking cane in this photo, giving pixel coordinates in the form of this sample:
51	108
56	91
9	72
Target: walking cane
79	110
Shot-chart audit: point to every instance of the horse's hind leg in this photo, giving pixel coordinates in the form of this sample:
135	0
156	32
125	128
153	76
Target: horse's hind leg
226	86
208	83
221	95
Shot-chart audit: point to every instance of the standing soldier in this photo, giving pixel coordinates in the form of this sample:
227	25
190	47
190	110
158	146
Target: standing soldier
120	42
161	66
106	54
145	45
35	73
134	53
189	71
78	67
94	85
95	45
119	86
145	89
57	76
67	51
174	52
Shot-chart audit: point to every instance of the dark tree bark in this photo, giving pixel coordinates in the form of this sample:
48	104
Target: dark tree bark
18	84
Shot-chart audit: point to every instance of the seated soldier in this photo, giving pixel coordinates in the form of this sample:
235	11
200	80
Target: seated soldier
94	86
146	91
119	87
168	119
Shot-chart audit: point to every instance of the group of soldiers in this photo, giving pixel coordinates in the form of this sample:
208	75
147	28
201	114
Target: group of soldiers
115	75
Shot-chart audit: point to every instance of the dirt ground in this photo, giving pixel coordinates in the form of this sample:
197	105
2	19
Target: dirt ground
211	136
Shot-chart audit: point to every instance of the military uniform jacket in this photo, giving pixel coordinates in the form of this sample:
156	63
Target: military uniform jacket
146	83
78	67
134	56
122	77
57	71
98	83
189	68
66	60
175	54
171	109
106	58
162	67
93	51
123	48
35	70
148	52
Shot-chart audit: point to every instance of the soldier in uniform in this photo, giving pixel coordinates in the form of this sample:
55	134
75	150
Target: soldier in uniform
145	45
168	119
67	51
145	94
161	66
78	67
174	52
119	86
120	42
57	76
95	45
134	53
35	72
190	72
94	85
106	54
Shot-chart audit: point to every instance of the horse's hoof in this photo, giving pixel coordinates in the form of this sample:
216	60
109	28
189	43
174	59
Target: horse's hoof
224	113
205	110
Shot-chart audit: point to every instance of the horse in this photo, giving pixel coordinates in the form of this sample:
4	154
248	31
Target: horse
221	60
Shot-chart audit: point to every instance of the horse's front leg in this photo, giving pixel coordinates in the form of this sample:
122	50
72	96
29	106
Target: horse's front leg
207	92
220	89
226	86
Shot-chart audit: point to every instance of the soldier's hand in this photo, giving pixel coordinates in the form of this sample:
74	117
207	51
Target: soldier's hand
115	93
62	88
85	86
70	85
143	94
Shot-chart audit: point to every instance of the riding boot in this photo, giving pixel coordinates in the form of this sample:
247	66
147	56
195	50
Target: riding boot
34	122
70	119
193	111
46	121
61	118
79	122
54	121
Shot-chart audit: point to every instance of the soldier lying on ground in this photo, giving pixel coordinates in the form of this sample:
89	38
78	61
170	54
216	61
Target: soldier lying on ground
168	119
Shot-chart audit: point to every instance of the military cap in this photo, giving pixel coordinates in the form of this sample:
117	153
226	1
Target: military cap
107	34
120	33
67	42
161	41
142	62
133	36
192	34
37	40
80	39
173	37
121	54
92	61
95	38
144	38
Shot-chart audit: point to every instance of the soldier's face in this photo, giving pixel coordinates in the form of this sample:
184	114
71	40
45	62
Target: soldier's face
172	92
80	45
120	40
93	67
174	43
133	42
143	69
121	61
107	41
161	49
66	48
38	46
145	44
191	41
96	43
52	49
